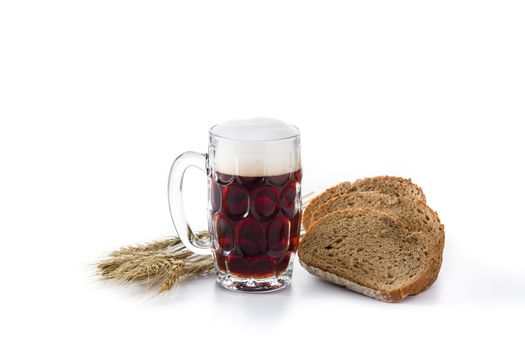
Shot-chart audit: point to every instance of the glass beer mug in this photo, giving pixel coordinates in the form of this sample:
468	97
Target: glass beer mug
254	202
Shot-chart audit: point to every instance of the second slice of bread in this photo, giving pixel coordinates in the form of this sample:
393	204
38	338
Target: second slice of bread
417	215
392	185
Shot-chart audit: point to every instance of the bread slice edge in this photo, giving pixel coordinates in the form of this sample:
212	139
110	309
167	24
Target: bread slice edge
321	198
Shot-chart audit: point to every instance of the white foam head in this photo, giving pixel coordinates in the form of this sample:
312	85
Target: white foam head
255	147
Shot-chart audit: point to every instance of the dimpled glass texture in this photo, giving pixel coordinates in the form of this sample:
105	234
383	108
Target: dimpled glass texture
254	222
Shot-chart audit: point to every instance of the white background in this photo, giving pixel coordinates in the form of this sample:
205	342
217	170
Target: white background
98	97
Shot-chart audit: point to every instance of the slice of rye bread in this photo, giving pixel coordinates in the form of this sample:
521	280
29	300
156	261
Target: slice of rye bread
416	215
369	252
392	185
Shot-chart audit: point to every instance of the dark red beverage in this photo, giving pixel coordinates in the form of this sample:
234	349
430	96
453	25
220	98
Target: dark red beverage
254	222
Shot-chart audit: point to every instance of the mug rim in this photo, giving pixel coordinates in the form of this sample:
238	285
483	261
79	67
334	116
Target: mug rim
215	136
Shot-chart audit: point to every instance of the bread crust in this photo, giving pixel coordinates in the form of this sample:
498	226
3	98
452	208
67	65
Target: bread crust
425	279
321	198
408	182
347	187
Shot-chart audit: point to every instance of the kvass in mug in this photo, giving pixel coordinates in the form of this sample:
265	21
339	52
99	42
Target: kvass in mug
254	202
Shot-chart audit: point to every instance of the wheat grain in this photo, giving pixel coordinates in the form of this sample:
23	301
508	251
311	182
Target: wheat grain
172	277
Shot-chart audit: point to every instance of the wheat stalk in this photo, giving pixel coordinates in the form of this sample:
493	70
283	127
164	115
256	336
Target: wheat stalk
163	263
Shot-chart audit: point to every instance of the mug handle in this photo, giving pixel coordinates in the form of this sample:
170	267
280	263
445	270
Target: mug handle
178	215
